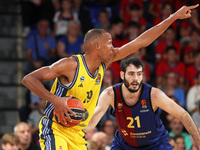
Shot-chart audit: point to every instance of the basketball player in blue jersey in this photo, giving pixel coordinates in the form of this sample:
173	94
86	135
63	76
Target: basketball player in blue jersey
81	76
135	107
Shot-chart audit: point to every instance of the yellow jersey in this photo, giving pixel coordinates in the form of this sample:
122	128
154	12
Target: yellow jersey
85	87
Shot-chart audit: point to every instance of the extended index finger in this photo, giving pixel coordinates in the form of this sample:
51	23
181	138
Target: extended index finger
193	7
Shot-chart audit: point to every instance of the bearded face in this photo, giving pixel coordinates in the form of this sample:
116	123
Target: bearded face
132	78
132	86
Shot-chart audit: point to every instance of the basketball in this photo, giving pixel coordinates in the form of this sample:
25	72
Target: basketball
77	107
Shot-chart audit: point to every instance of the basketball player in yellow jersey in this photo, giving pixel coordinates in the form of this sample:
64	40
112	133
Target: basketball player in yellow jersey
81	77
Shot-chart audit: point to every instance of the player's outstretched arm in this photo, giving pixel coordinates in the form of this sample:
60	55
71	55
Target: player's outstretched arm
33	82
159	99
105	100
150	35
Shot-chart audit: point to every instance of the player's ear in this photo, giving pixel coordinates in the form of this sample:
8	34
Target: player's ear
122	75
97	45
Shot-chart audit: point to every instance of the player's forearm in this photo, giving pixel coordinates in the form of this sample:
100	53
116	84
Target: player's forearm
37	87
191	127
144	39
91	125
150	35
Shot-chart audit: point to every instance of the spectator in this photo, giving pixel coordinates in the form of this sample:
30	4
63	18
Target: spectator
193	45
82	14
124	8
167	118
101	139
31	103
71	43
109	127
171	141
135	15
30	14
166	10
133	30
104	22
22	130
40	47
62	18
193	96
10	141
179	143
37	114
171	63
107	80
177	130
89	135
34	10
170	88
141	54
34	119
116	32
48	9
91	145
168	41
155	8
192	71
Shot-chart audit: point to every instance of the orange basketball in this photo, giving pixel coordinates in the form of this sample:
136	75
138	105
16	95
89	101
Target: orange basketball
77	107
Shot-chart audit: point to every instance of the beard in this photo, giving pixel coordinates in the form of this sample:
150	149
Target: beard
134	82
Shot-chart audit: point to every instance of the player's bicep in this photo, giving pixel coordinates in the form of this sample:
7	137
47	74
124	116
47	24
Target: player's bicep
48	73
161	100
44	74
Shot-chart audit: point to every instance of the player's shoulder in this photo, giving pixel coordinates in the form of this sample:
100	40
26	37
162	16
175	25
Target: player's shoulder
156	93
68	63
109	91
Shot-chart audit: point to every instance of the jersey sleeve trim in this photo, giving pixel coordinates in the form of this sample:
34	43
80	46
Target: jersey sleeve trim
104	66
76	74
150	99
75	77
86	67
115	99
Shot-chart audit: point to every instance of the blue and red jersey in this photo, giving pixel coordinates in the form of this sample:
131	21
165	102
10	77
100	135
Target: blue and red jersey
138	125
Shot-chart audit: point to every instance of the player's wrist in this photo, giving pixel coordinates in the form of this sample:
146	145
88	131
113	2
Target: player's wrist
173	17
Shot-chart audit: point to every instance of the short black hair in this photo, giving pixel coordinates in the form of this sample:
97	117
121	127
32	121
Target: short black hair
196	53
197	75
116	20
177	137
133	24
94	34
169	48
134	7
131	60
167	3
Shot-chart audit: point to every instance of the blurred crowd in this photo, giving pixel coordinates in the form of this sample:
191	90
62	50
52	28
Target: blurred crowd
55	29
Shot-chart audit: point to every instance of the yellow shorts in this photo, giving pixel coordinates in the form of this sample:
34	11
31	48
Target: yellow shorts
54	136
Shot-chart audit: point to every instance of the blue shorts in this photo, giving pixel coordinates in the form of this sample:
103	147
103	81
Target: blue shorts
120	144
